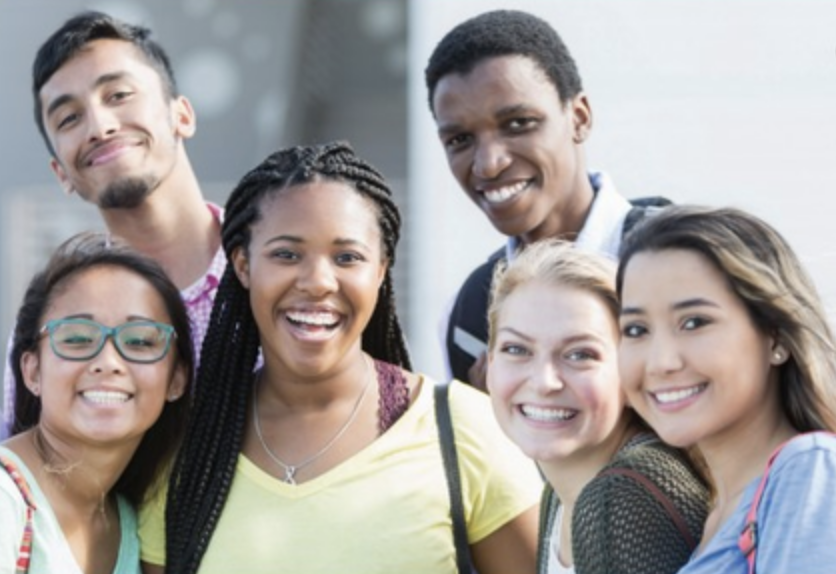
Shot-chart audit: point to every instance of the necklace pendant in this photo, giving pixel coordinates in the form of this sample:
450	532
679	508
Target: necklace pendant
289	472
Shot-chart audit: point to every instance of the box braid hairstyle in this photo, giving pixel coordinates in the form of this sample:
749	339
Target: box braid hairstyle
206	464
504	33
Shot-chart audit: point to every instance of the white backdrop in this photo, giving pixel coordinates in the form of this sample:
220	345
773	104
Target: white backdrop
722	102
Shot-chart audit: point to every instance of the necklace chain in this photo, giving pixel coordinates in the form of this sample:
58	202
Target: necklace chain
290	470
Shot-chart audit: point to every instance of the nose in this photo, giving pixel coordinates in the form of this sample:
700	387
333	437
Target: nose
663	355
108	360
545	375
490	158
317	277
101	122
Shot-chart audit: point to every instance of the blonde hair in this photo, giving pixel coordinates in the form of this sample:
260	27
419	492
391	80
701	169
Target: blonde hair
553	262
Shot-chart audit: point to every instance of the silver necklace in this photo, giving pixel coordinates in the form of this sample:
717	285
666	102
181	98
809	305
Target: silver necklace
290	470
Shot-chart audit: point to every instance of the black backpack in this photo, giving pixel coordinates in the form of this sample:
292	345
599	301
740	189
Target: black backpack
467	331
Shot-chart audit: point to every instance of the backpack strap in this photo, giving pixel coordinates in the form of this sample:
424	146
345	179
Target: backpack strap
447	441
748	539
657	493
469	316
641	207
25	553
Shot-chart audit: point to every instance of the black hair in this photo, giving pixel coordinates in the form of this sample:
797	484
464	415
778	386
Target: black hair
504	33
205	466
77	255
76	33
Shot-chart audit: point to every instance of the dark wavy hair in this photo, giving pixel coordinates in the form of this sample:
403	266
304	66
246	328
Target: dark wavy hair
76	33
79	254
765	273
205	466
504	33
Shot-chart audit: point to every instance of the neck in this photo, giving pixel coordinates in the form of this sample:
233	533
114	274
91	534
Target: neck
568	218
299	392
737	458
71	476
568	476
172	226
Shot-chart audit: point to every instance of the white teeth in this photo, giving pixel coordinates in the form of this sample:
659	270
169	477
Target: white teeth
547	415
666	397
316	319
106	397
504	193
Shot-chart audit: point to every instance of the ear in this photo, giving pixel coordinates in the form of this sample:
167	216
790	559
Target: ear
61	176
30	366
779	354
241	265
177	385
184	119
581	113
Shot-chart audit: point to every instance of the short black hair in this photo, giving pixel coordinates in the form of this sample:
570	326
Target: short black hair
83	28
504	33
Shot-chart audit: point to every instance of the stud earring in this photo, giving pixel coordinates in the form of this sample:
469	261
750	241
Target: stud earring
777	356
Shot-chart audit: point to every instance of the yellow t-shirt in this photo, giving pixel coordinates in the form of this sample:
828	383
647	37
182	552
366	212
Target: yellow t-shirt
386	509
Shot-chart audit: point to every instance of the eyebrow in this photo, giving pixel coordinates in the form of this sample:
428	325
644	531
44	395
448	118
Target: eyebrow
296	239
128	319
678	306
504	112
100	81
564	341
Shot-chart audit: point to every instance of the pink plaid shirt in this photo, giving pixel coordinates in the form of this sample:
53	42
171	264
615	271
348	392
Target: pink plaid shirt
198	298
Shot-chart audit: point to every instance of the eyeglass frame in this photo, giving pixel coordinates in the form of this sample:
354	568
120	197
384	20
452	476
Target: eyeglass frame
108	333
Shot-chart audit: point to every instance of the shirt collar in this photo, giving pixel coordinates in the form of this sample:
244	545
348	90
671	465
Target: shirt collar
602	229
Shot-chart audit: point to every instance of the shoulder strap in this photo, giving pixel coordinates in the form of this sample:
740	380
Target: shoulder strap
25	553
657	493
470	314
748	539
447	440
642	206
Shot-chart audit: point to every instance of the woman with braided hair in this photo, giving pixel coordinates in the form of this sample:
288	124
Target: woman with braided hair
327	457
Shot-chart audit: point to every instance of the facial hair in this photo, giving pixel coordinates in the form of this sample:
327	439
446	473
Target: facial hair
126	193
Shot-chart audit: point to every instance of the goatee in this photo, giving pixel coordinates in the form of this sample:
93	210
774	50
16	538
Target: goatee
126	193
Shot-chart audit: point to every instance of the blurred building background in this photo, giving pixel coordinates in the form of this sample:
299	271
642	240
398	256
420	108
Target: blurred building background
712	101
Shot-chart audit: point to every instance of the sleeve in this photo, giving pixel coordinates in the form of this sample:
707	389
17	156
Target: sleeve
798	499
498	480
152	528
12	523
620	525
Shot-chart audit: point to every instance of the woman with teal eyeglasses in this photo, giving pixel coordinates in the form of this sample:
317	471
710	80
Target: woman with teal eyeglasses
102	359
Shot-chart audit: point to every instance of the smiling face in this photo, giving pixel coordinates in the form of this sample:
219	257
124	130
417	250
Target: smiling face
313	269
514	148
553	373
692	361
116	136
104	399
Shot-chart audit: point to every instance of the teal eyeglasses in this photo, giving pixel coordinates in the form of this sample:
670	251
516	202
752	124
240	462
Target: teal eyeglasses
82	339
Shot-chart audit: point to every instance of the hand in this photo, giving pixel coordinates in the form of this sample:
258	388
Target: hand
477	374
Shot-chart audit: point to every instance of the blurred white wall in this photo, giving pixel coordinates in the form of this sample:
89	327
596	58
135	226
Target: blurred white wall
706	101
